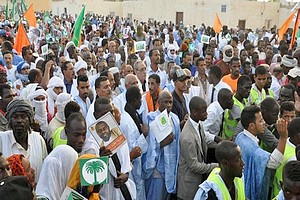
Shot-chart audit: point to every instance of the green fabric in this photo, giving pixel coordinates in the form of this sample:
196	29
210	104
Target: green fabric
255	97
229	123
288	153
23	6
78	27
6	10
56	138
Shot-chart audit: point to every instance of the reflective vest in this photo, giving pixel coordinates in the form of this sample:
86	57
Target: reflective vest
238	183
288	153
56	138
230	124
271	93
257	97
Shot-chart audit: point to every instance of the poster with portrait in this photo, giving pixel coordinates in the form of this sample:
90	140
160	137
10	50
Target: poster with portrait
107	133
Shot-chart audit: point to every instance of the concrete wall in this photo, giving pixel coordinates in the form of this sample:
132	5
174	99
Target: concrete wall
40	5
203	11
256	14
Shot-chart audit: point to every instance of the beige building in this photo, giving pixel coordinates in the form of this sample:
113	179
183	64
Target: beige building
243	13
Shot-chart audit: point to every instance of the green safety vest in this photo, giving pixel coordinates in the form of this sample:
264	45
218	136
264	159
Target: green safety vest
56	138
271	93
255	98
288	153
230	124
238	183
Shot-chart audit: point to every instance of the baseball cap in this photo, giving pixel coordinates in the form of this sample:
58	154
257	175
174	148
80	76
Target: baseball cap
180	75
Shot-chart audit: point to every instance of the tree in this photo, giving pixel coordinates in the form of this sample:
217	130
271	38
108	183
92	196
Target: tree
94	167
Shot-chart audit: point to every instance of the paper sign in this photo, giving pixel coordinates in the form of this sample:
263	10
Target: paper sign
70	194
45	49
192	47
140	46
161	126
107	133
93	171
205	39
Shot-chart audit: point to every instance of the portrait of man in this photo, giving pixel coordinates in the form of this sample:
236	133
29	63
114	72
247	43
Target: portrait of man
104	132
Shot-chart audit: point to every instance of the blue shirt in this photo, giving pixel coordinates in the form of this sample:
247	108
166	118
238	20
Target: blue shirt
68	86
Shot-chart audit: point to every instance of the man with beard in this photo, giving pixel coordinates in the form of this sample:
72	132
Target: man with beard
153	93
83	87
154	69
21	139
105	133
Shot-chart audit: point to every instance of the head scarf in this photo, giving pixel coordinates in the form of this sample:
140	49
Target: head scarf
22	65
38	60
52	96
68	45
61	102
171	56
80	65
19	105
74	179
16	166
225	57
40	110
56	171
184	47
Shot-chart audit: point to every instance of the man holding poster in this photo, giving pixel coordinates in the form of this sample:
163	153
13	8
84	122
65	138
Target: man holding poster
163	151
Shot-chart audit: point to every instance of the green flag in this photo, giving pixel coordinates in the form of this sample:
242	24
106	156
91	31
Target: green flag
14	12
23	6
46	17
6	10
77	28
93	171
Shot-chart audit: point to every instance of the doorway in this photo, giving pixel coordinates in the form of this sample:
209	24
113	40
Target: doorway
179	18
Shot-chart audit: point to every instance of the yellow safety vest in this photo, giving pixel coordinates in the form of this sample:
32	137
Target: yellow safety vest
238	183
56	138
255	97
230	124
288	153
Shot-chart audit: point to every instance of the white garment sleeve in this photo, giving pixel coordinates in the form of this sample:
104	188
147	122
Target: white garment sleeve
275	160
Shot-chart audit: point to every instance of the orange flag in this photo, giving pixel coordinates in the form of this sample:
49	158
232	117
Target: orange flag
21	39
30	16
295	29
217	24
286	25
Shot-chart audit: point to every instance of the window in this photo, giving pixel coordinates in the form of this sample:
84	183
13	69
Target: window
223	8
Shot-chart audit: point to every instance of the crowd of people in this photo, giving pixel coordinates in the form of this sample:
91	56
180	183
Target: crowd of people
232	104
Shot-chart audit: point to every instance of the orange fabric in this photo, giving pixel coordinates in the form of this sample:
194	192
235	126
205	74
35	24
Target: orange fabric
295	29
30	16
231	82
217	24
74	179
21	39
149	101
16	166
286	25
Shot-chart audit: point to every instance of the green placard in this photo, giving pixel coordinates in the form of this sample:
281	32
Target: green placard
94	171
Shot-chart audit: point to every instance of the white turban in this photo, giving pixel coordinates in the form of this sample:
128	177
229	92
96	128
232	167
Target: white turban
53	82
225	57
61	101
80	65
